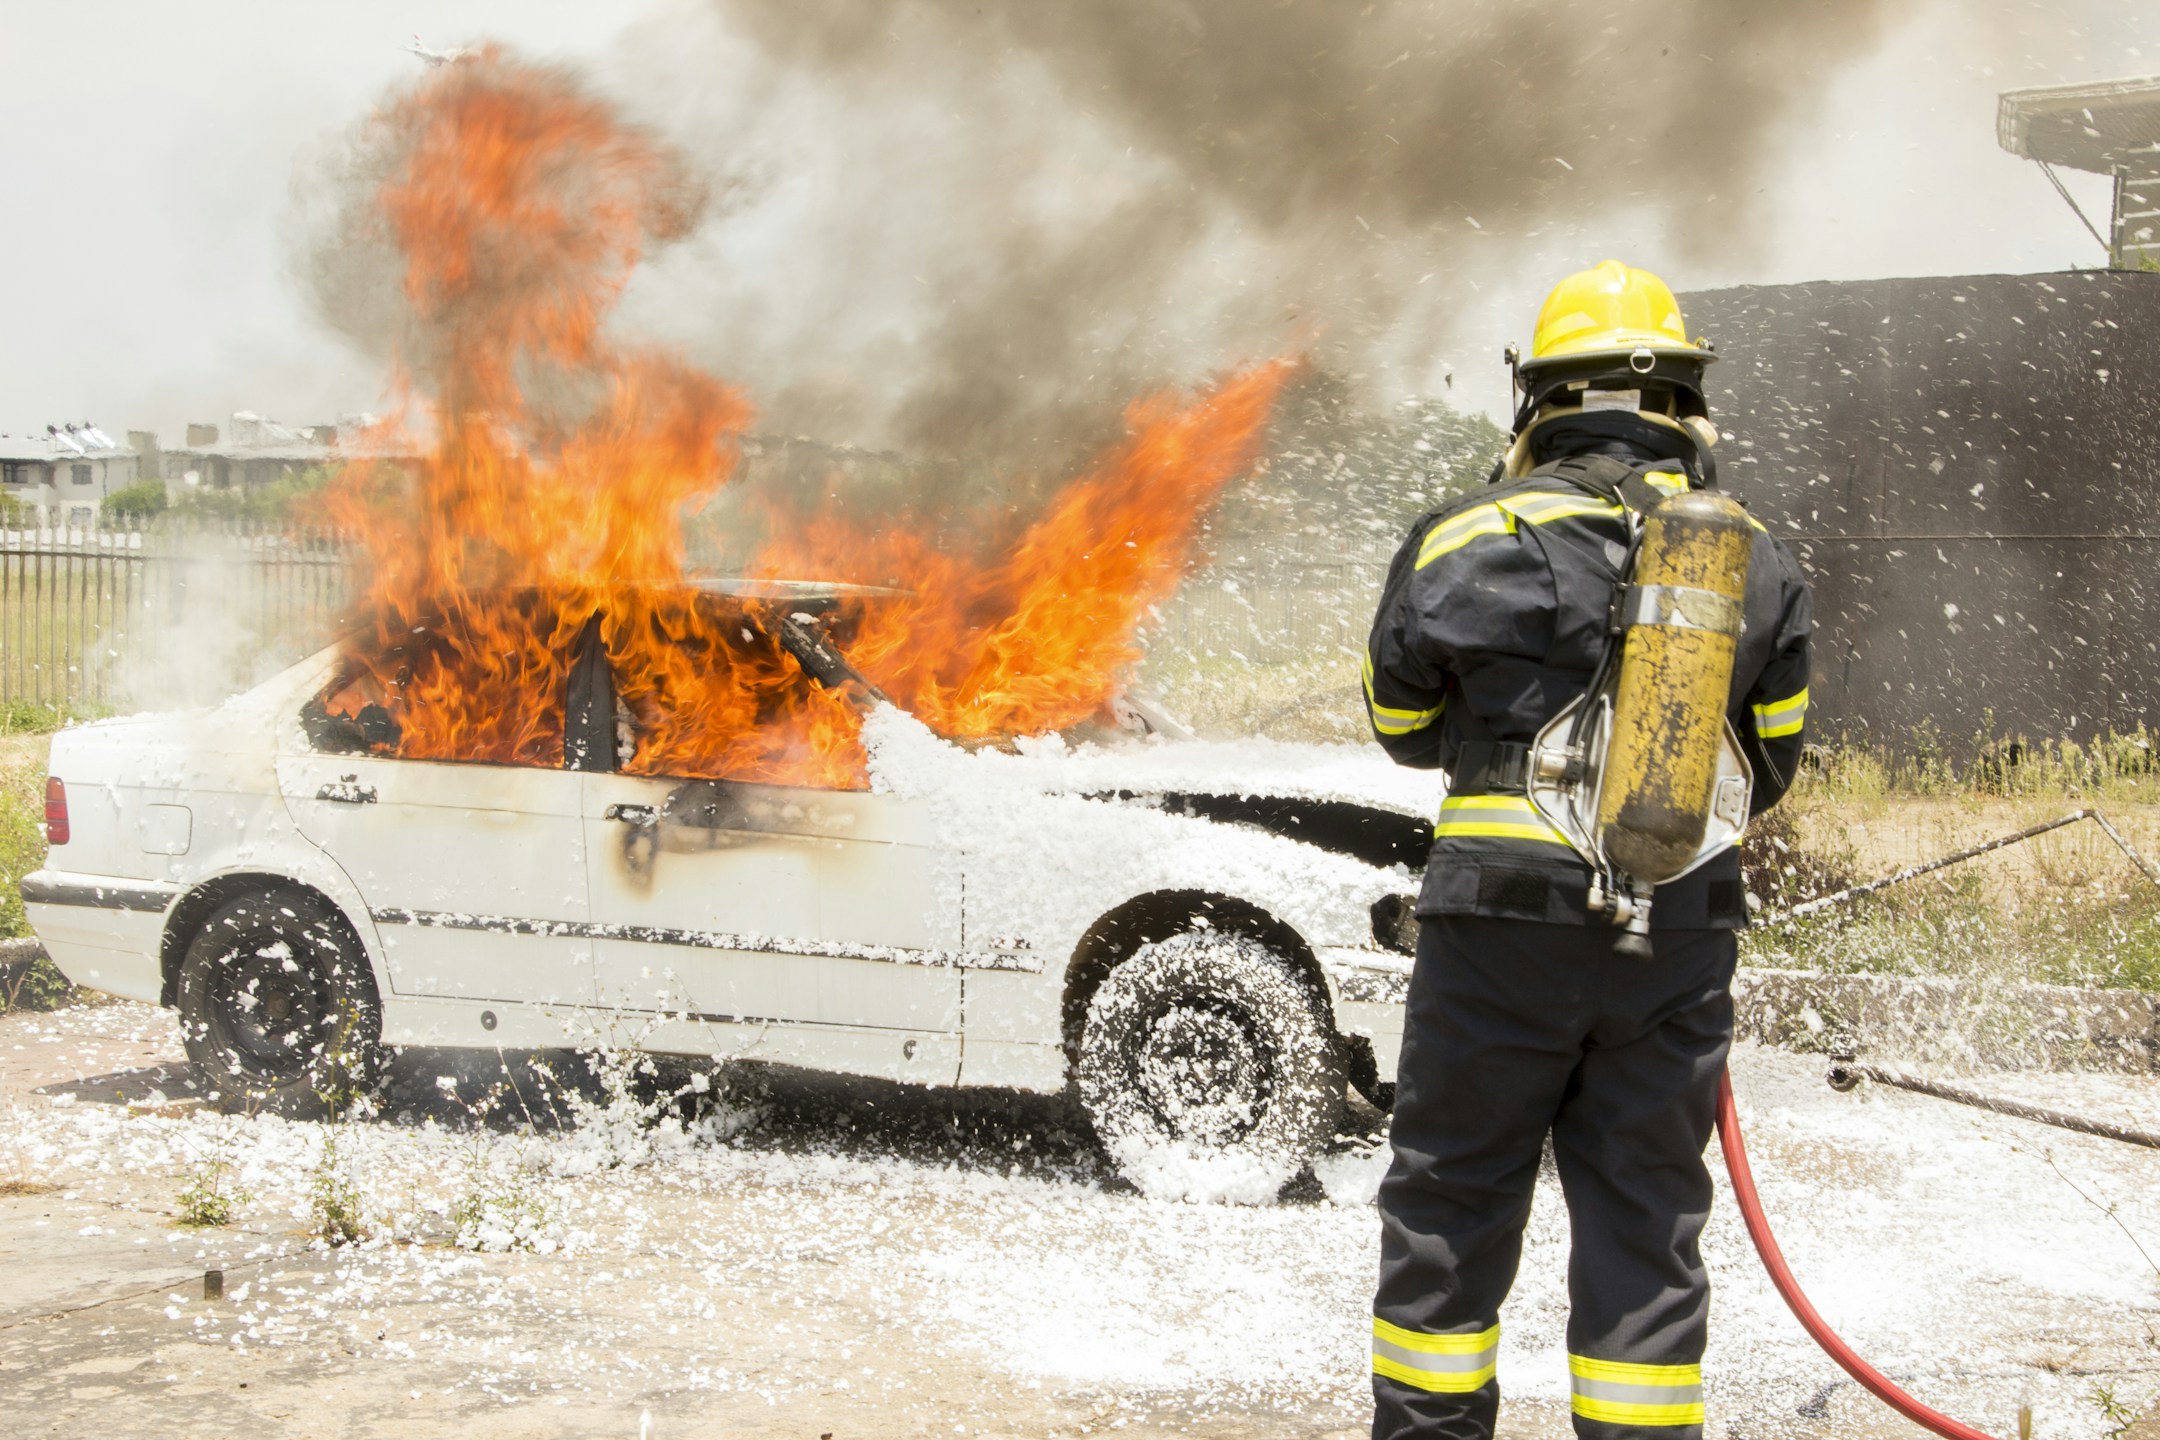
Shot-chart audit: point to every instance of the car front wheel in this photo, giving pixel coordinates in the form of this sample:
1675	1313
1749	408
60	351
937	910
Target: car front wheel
1206	1052
277	1008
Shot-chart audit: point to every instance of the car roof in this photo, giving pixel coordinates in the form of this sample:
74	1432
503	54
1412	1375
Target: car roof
741	588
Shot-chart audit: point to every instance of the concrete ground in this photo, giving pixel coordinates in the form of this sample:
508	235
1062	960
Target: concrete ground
812	1260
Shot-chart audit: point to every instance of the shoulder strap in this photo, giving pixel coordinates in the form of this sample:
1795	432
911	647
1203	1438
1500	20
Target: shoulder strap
1609	478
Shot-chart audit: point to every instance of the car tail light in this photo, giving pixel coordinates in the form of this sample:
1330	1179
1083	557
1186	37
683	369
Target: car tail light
56	824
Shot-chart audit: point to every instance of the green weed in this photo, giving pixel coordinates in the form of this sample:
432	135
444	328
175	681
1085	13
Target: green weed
211	1194
2114	1414
334	1203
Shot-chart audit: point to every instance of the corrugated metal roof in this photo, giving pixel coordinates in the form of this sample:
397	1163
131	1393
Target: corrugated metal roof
2094	127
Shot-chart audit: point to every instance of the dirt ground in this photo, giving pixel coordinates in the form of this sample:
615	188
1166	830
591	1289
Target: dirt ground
821	1261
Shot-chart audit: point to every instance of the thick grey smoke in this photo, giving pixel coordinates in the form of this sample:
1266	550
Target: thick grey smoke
971	229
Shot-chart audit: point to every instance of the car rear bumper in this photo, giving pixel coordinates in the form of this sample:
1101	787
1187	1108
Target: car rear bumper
102	933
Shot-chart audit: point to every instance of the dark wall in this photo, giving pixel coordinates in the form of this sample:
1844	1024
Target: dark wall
1970	469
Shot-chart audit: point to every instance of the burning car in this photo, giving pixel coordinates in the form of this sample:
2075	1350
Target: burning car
557	785
1202	941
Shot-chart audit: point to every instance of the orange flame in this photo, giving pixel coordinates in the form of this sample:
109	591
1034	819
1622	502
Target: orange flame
520	208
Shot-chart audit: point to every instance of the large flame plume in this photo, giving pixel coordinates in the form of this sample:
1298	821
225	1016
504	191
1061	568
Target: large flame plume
546	514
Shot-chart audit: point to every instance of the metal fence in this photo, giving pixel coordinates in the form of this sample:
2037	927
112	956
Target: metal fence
179	613
83	612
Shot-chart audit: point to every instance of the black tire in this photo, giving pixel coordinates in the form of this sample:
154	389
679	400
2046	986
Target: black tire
1211	1041
278	1009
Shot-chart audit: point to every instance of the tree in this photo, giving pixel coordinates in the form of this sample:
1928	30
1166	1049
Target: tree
135	504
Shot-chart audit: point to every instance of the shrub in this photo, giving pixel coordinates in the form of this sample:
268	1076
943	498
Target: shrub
134	504
22	834
36	984
289	497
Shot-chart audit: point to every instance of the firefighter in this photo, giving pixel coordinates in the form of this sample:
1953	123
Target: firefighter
1523	1022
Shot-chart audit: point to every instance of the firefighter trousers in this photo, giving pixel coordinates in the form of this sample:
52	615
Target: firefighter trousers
1516	1030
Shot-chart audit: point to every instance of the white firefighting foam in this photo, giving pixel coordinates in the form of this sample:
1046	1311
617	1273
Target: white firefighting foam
1941	1241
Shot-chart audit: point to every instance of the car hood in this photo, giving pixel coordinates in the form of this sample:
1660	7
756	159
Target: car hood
905	757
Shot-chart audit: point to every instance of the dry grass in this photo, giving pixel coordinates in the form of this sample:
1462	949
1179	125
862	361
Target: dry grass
2065	908
1315	698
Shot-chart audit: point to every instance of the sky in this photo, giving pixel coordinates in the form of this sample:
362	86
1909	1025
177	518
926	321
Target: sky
156	151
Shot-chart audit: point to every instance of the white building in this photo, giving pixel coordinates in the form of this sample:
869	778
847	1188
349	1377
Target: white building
63	476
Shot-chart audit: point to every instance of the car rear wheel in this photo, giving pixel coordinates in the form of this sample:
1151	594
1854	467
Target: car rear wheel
277	1008
1208	1047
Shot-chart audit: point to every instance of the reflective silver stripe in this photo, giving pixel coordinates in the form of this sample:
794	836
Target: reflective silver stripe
1435	1364
1624	1393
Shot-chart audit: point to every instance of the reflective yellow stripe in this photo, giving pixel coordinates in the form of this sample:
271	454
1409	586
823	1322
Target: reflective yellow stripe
1538	509
1500	517
1618	1393
1781	717
1494	817
1389	721
1615	1412
1453	534
1444	1364
1665	483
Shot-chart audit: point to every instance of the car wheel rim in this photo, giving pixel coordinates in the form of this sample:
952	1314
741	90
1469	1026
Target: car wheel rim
1204	1073
264	1014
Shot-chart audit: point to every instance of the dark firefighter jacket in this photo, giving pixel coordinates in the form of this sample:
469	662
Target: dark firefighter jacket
1493	619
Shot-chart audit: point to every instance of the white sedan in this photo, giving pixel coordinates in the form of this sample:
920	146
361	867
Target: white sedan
1207	942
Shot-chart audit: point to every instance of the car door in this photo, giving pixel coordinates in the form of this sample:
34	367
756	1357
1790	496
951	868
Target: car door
734	904
475	874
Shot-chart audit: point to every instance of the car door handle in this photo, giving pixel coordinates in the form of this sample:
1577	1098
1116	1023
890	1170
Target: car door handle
633	814
347	790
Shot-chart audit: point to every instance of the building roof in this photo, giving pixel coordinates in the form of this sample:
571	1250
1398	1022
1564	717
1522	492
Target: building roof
293	454
51	449
2096	127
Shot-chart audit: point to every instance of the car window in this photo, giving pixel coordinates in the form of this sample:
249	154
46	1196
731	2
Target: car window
493	684
711	694
664	681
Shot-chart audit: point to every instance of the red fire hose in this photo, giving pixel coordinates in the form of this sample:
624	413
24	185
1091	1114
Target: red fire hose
1877	1384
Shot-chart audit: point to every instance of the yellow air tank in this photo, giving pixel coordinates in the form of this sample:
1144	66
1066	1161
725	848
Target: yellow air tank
1682	621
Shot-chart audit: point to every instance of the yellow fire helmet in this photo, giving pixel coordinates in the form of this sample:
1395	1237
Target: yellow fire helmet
1610	312
1611	326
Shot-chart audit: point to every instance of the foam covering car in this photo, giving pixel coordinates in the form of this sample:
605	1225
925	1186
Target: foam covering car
1205	942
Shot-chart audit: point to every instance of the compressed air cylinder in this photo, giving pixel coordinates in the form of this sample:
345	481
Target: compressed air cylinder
1682	620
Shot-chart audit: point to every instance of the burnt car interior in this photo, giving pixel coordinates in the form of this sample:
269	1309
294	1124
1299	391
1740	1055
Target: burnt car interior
595	723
